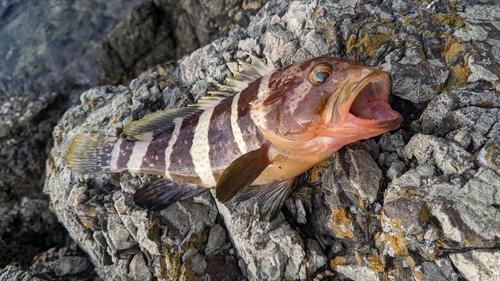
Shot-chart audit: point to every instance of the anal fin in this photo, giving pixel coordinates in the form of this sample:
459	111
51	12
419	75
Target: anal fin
241	173
161	193
271	197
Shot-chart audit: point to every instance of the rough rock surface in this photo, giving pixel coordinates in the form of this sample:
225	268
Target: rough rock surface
48	57
163	30
419	203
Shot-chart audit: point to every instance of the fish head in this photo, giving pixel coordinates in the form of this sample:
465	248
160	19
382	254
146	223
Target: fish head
322	104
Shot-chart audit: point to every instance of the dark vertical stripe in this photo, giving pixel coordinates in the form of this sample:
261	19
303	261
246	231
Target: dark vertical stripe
154	160
223	148
251	134
125	152
181	163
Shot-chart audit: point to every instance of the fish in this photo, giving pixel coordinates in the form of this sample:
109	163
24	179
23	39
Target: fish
253	137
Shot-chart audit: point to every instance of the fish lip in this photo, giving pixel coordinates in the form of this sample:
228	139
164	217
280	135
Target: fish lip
366	81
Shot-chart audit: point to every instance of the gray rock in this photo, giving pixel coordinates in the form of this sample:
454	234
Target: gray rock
358	272
216	239
478	264
69	265
13	273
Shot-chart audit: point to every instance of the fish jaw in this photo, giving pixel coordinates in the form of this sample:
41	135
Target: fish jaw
359	109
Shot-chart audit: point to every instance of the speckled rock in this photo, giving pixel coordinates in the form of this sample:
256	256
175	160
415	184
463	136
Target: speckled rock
478	264
415	203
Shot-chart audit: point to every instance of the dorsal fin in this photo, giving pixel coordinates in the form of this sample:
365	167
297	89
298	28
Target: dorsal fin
161	121
249	72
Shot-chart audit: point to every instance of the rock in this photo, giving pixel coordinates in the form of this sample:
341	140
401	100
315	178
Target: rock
13	273
163	30
358	272
407	205
477	264
216	239
69	265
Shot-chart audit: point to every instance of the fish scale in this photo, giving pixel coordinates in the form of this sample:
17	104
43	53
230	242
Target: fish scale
253	138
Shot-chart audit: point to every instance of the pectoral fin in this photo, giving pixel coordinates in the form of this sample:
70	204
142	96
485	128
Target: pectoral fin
162	192
271	197
241	173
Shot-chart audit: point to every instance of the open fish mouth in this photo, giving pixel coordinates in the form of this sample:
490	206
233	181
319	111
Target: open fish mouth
370	106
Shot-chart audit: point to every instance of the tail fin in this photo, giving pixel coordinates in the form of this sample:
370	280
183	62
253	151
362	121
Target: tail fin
93	154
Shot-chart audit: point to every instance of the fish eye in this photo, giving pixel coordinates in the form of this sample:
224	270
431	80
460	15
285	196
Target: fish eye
320	73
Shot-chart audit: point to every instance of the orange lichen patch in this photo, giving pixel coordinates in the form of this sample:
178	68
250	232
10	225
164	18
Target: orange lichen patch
378	240
252	5
452	47
187	273
410	261
361	203
376	263
327	27
455	49
449	19
337	261
468	243
491	154
370	42
459	73
359	260
394	274
88	224
115	120
316	170
342	223
408	194
425	215
395	242
170	264
417	275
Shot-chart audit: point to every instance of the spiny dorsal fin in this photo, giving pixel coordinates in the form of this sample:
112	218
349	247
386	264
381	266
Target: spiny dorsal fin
241	173
249	72
161	121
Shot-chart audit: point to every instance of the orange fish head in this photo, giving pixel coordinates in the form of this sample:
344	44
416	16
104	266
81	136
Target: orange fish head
319	105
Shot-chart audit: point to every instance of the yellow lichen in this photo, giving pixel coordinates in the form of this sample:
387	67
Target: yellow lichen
449	19
359	260
376	263
327	27
417	275
408	194
425	215
396	241
342	223
316	170
337	261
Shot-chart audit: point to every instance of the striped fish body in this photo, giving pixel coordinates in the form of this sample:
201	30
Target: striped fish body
253	138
